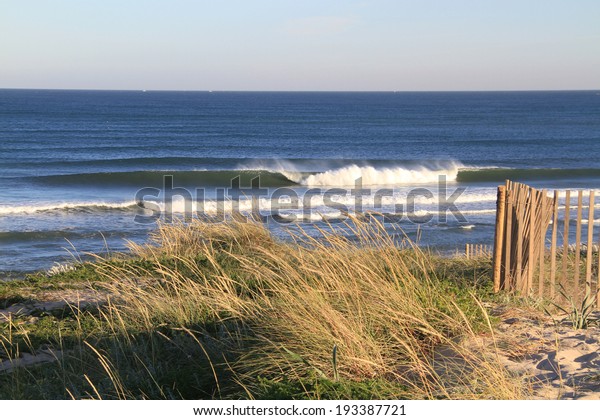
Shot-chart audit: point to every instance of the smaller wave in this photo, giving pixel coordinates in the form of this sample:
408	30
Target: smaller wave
521	174
139	179
37	235
67	207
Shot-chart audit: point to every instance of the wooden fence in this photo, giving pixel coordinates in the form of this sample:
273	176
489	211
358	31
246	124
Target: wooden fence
478	251
529	259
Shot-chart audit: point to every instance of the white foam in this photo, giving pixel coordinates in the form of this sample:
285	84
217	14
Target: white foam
586	221
481	211
315	206
316	211
369	175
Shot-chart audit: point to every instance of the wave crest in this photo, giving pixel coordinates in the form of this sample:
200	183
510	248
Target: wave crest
369	175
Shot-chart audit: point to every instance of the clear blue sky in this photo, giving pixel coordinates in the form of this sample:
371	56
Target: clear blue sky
300	44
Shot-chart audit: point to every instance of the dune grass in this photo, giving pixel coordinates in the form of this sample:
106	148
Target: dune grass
226	311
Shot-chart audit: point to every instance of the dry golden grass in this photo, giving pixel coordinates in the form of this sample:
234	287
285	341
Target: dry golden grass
279	309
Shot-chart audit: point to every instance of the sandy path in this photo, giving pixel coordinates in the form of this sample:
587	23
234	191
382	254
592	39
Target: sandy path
557	361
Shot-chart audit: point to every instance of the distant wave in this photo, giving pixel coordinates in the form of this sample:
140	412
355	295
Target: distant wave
517	174
75	207
140	179
16	236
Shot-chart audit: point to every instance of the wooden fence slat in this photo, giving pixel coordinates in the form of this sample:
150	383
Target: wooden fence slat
553	245
590	246
540	224
528	209
565	255
541	240
533	201
507	248
519	239
598	277
577	245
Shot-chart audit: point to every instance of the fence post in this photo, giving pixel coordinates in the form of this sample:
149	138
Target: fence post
553	245
577	246
508	279
542	240
598	279
533	205
500	211
565	256
519	228
590	245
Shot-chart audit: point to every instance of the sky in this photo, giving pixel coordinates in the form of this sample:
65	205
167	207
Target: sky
377	45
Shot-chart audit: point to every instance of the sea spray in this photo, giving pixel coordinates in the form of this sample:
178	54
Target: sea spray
369	175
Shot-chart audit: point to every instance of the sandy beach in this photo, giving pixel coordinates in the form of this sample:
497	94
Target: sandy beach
558	361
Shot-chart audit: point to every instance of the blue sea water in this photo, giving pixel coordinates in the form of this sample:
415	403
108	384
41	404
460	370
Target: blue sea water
72	163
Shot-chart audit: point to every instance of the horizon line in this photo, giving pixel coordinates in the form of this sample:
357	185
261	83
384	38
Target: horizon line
303	91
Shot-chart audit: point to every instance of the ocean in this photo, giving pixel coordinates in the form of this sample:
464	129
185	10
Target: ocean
87	171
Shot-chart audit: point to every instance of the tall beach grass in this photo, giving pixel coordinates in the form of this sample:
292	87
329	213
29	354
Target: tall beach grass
226	311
